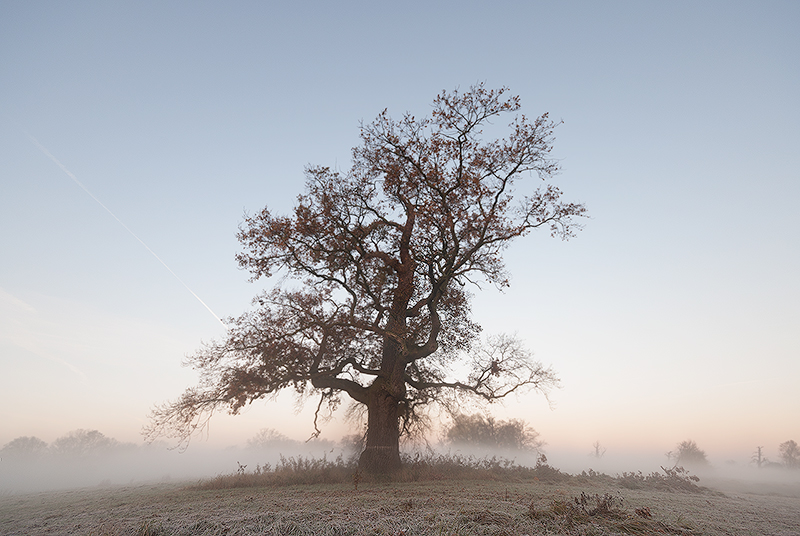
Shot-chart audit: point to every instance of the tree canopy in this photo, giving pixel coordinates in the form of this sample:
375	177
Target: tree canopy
377	264
790	454
688	453
24	447
486	431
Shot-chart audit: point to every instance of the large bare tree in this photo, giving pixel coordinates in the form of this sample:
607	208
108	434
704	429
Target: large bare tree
377	263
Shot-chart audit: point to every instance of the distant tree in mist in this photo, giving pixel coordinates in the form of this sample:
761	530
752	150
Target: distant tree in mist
758	457
268	437
84	442
688	453
598	450
790	454
480	430
24	447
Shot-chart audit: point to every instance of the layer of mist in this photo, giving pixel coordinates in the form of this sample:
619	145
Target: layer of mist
88	459
143	464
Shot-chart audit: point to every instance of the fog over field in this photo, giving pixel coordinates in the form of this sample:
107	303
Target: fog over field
125	464
106	463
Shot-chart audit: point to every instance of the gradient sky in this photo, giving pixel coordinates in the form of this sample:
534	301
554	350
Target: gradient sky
674	314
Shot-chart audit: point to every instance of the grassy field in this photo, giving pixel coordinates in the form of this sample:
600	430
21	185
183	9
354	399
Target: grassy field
493	505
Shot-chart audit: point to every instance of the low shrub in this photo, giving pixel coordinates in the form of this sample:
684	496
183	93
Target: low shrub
431	466
289	471
596	511
673	479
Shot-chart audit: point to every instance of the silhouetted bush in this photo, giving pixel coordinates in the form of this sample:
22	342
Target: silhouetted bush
269	438
673	479
790	454
688	453
81	443
483	431
25	447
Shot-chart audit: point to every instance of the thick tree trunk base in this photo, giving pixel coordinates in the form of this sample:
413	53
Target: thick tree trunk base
380	460
382	453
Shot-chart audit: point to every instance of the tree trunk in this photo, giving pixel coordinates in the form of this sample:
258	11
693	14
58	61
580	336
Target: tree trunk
382	453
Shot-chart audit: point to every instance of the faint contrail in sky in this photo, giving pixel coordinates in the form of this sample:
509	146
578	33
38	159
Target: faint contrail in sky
75	179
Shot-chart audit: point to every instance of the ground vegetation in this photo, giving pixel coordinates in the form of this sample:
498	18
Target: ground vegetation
511	503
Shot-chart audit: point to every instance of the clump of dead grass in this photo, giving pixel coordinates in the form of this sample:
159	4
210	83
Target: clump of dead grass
288	471
673	479
416	468
604	513
151	528
432	467
422	467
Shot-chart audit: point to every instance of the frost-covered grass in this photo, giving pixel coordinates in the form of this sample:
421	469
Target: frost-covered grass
496	500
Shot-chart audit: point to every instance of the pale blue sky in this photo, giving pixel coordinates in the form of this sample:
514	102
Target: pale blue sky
675	314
